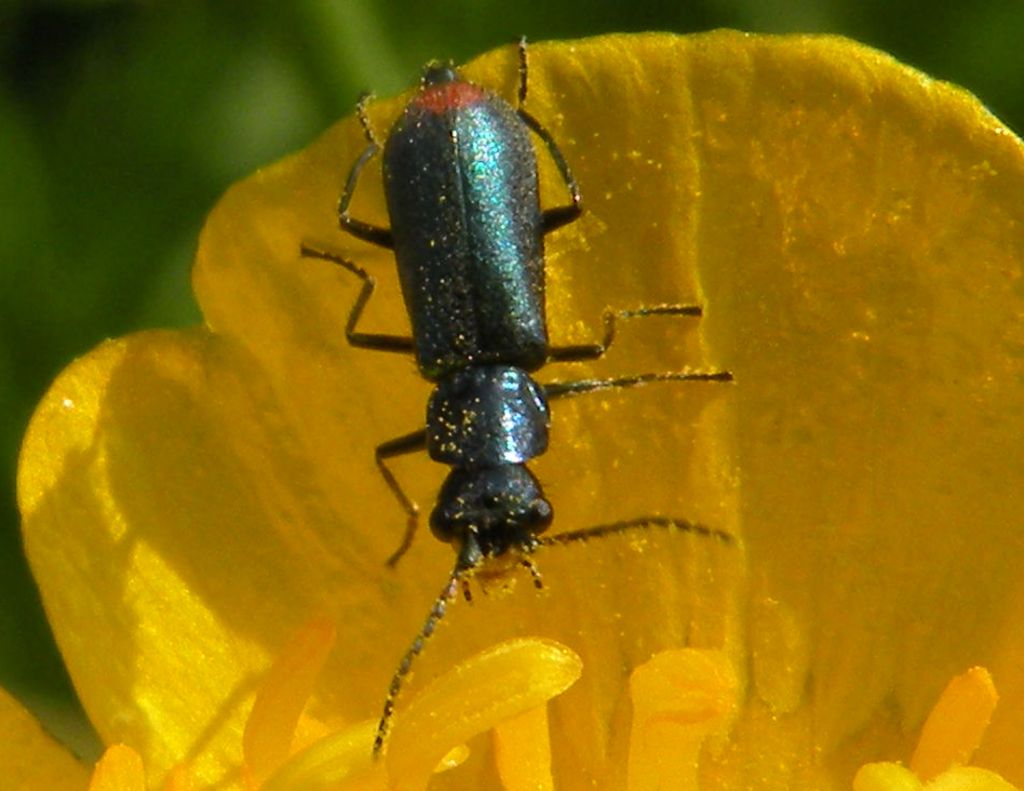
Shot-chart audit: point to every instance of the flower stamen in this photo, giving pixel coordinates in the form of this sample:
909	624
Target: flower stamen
949	737
522	751
270	729
120	769
956	725
680	697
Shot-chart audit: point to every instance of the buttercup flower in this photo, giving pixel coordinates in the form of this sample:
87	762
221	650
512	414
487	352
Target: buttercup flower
203	514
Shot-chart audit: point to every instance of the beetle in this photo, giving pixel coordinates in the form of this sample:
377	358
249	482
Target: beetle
467	230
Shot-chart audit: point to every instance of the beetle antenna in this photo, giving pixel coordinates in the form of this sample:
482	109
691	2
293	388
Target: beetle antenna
640	523
527	562
523	66
437	612
364	119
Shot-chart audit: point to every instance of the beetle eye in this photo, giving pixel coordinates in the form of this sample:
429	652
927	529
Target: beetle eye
541	512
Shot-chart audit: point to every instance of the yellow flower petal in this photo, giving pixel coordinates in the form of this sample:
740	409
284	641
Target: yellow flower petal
143	565
956	725
120	769
855	234
861	251
29	757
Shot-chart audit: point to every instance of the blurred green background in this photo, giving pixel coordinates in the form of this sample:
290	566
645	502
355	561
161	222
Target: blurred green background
122	122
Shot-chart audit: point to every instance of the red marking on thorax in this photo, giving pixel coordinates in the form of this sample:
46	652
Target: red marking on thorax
448	96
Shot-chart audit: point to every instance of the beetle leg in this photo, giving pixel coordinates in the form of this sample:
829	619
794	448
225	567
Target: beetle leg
399	446
374	234
560	215
362	340
593	351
